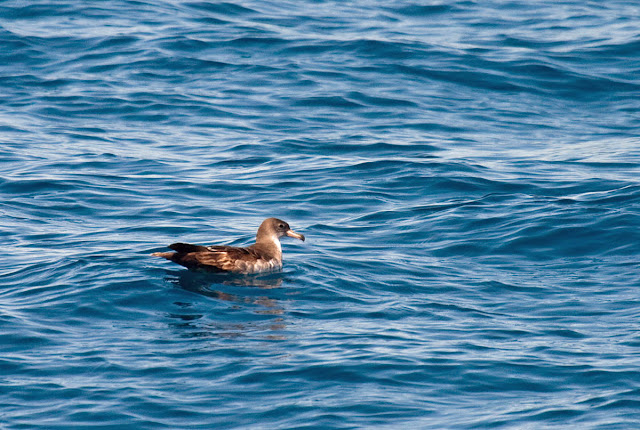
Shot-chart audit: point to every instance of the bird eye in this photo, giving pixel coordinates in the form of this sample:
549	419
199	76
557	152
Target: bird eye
281	226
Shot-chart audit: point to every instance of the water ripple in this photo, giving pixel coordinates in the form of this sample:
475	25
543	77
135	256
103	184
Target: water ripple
466	175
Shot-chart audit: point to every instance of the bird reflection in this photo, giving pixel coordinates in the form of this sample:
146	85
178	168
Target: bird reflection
199	282
208	284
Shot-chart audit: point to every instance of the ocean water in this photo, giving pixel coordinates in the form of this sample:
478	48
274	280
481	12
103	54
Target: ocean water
466	174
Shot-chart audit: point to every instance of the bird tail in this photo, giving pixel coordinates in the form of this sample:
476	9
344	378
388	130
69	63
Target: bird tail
166	255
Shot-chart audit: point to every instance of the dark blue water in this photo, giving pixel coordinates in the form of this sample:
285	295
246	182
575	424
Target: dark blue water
467	175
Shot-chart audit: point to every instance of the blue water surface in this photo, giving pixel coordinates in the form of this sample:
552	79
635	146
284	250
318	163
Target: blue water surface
466	174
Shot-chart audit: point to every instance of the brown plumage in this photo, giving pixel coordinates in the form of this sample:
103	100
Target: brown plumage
263	256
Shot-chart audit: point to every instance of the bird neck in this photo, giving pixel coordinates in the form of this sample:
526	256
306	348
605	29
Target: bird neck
269	245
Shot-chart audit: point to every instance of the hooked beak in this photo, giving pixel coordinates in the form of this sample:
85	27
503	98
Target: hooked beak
292	233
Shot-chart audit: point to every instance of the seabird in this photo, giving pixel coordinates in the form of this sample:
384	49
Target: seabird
263	256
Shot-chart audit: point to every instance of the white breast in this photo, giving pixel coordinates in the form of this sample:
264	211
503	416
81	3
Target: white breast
263	266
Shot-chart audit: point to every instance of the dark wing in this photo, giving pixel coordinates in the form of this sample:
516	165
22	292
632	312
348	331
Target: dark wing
215	258
184	248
